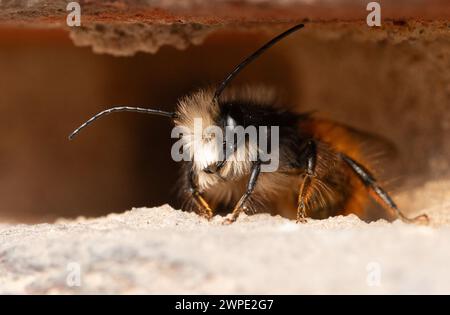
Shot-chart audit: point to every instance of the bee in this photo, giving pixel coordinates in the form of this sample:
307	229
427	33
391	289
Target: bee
322	169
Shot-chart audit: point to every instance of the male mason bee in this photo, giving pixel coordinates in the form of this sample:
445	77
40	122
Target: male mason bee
322	169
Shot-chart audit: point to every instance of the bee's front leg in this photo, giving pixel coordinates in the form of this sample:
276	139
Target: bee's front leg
256	169
203	209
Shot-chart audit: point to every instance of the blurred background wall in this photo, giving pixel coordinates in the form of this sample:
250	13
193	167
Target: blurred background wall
48	86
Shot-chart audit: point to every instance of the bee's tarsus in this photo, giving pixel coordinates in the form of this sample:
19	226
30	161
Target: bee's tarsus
420	219
301	221
228	221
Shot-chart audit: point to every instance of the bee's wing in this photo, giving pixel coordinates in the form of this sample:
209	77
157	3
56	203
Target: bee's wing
373	151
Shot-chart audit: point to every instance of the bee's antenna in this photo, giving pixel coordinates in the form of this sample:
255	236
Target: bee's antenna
121	109
252	57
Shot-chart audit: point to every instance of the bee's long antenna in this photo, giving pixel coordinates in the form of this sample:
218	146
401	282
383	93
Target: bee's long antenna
121	109
252	57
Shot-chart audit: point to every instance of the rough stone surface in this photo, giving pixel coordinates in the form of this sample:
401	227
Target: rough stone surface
161	250
126	40
215	11
125	27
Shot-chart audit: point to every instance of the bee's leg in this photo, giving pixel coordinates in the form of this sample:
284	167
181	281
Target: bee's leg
203	208
370	182
311	156
256	169
203	205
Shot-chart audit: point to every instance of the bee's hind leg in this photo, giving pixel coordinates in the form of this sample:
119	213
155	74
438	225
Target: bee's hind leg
370	182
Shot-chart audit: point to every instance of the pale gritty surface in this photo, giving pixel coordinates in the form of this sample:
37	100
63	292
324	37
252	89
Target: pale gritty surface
162	250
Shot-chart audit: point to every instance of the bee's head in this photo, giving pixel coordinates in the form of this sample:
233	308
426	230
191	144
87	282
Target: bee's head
203	127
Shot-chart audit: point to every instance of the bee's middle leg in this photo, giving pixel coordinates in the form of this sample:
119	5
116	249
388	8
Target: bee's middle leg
301	202
256	169
311	155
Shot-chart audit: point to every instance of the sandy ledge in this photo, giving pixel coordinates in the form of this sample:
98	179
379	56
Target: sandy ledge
161	250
